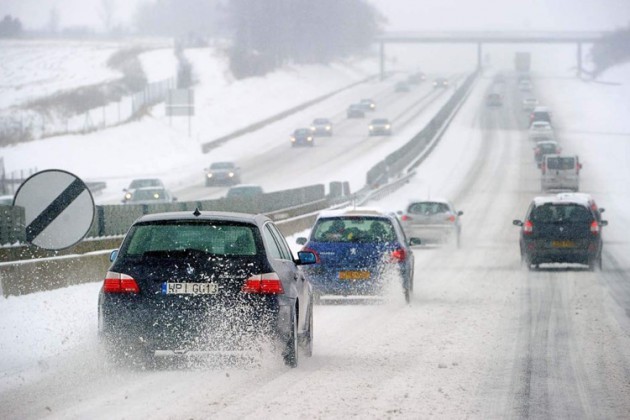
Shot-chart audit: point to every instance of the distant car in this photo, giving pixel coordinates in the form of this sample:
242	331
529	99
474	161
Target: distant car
222	173
367	104
561	229
380	127
245	191
151	195
525	85
440	82
141	183
355	111
402	87
529	104
416	78
547	147
494	99
432	221
560	172
322	127
540	113
303	137
541	130
204	282
358	252
6	200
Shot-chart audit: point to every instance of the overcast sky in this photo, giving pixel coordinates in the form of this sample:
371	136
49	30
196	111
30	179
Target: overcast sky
401	14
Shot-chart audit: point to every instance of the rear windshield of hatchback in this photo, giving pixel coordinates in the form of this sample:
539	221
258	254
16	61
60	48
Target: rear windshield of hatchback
555	213
354	229
428	208
211	238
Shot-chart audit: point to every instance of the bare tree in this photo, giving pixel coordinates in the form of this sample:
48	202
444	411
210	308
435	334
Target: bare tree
106	14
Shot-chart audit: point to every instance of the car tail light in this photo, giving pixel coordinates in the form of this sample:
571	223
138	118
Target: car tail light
595	227
398	255
263	284
120	283
543	168
405	218
451	218
528	227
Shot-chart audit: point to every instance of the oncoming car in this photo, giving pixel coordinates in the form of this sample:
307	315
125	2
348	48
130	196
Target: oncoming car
432	221
561	229
302	137
204	283
380	126
322	127
141	183
367	104
440	82
151	195
359	252
221	173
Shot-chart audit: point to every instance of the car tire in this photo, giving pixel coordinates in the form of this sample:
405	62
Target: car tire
290	352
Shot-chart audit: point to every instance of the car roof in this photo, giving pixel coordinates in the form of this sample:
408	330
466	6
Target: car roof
541	109
558	199
431	200
355	211
547	142
204	215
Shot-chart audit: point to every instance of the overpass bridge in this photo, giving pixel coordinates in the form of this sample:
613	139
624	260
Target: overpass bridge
479	38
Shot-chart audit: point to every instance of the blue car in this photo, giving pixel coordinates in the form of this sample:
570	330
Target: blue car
358	251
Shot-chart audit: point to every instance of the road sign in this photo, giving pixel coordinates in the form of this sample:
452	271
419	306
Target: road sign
58	209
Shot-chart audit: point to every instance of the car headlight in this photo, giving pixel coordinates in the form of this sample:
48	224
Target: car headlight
231	174
293	139
328	128
156	196
209	175
387	127
128	196
371	127
309	138
313	128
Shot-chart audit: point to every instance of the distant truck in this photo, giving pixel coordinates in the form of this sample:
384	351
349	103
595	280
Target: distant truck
522	61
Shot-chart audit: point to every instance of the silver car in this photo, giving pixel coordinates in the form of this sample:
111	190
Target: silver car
432	221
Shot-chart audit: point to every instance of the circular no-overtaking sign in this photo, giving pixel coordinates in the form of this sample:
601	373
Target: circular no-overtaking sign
58	209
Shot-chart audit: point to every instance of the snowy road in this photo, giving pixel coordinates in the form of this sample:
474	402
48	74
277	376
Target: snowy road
483	338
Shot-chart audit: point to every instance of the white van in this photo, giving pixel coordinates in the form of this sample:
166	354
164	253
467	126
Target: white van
560	172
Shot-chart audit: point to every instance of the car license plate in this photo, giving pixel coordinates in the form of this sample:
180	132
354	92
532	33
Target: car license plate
189	288
354	275
562	244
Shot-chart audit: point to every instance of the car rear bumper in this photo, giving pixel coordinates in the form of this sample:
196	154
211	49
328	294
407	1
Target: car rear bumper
328	282
218	329
545	254
430	233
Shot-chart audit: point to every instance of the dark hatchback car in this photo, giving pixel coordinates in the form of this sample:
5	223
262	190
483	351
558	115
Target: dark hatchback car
302	137
358	252
561	229
193	282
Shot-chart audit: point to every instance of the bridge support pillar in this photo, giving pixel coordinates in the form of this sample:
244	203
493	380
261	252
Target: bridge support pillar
579	59
382	60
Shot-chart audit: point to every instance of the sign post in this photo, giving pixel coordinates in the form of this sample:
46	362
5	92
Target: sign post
181	103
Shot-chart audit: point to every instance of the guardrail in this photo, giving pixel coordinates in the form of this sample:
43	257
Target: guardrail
22	277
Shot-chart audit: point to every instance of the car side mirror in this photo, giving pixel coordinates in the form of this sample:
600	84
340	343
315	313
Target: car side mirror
603	223
460	213
415	241
517	223
306	257
113	255
301	240
399	212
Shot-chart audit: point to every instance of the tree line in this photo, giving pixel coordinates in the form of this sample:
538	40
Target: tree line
266	34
